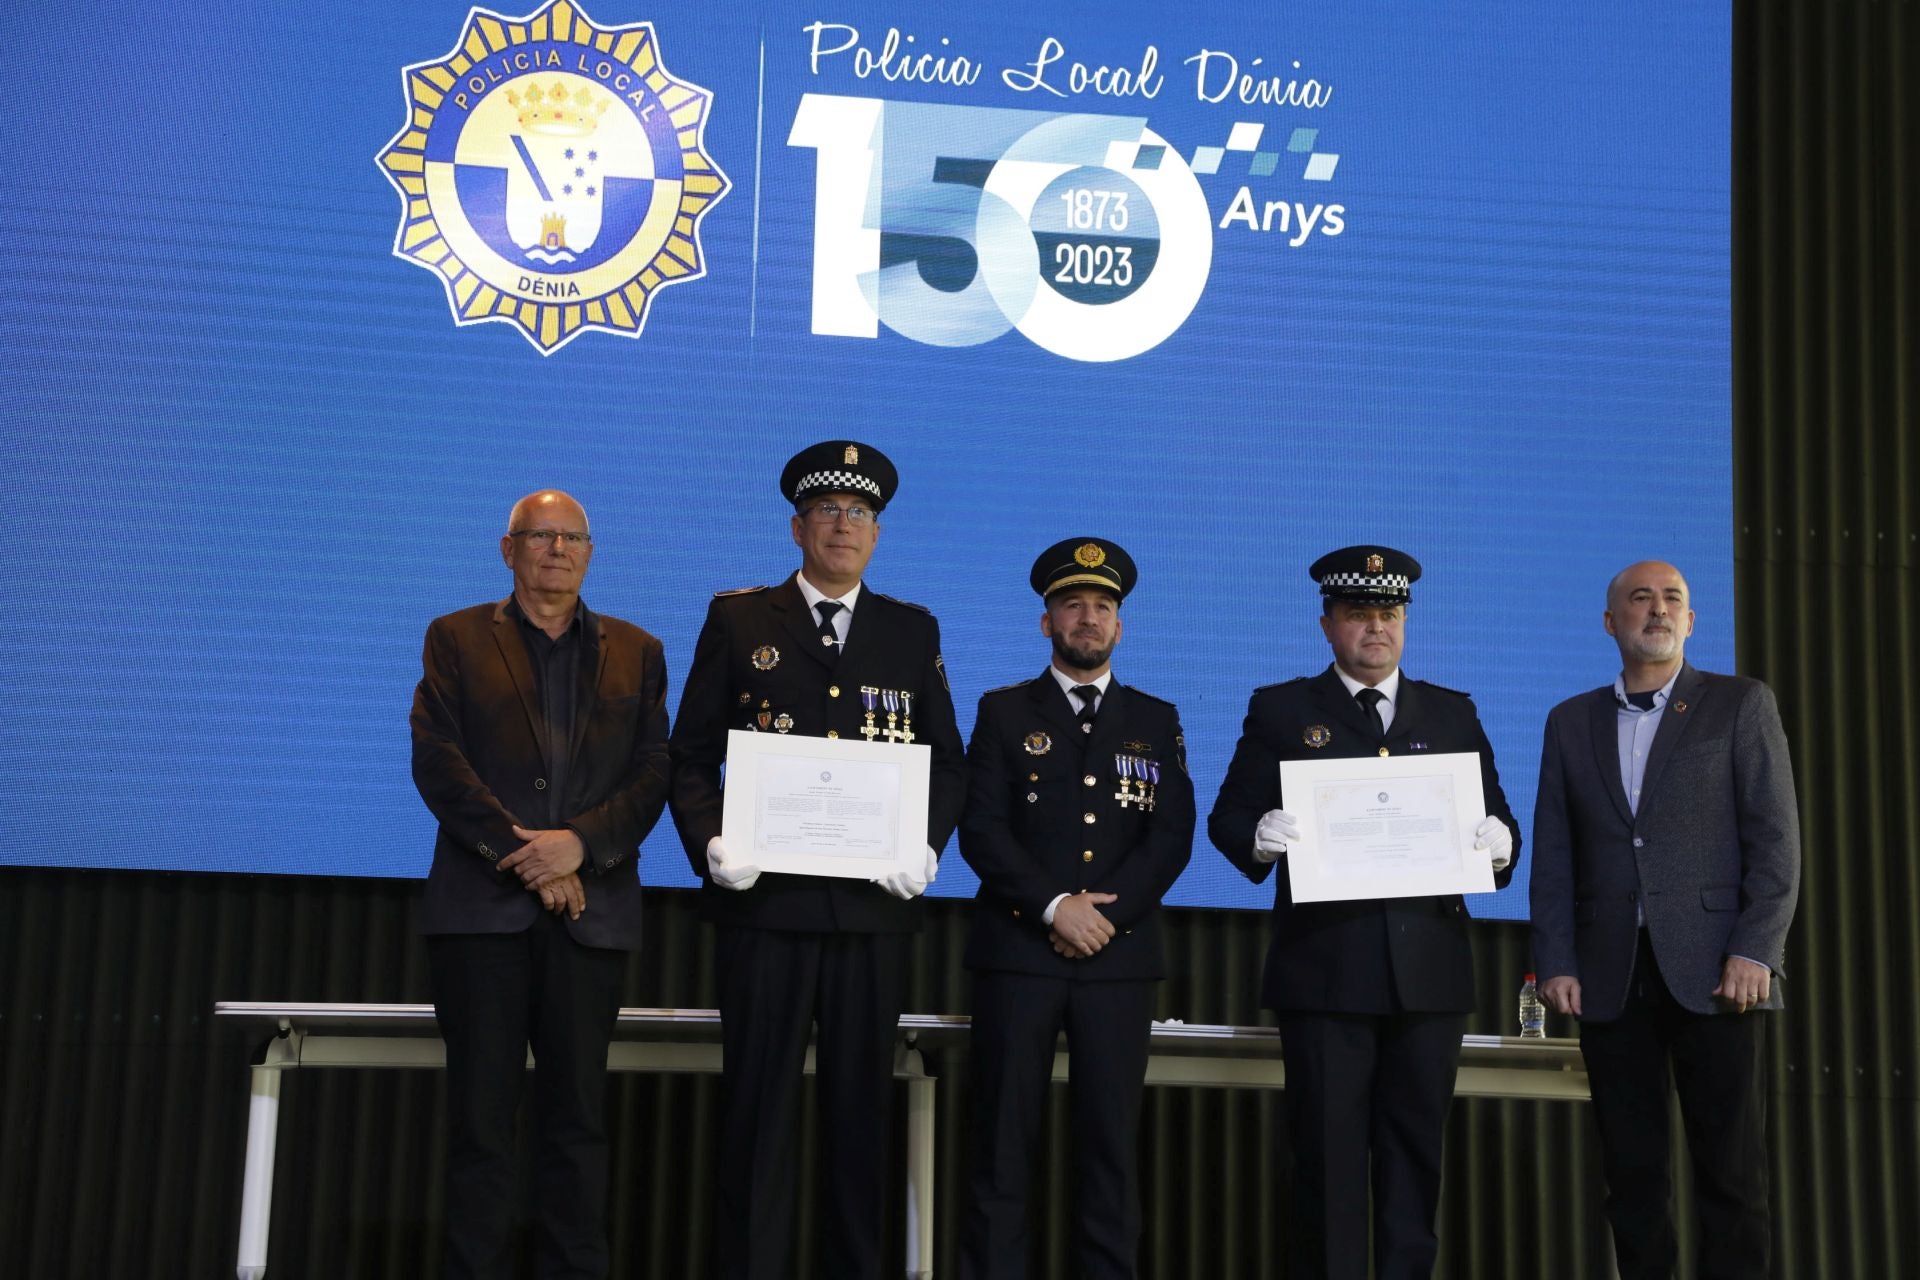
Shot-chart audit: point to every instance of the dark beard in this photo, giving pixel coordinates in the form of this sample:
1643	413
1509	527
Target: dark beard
1080	659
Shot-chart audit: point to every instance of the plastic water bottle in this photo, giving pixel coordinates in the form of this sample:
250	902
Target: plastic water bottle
1533	1013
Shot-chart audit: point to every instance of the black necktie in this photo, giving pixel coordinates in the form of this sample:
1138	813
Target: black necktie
1371	699
829	639
1089	695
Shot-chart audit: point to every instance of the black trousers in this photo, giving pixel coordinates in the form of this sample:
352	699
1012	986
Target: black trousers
494	995
1017	1018
774	986
1366	1104
1718	1064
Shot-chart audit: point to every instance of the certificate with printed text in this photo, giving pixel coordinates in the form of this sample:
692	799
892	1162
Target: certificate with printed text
1385	827
825	806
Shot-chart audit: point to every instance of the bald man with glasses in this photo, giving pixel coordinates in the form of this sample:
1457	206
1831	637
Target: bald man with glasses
540	745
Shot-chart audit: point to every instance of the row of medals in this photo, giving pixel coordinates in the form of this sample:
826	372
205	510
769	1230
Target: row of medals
897	704
1136	772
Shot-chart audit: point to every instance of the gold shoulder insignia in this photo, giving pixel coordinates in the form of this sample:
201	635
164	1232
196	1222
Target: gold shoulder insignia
737	591
908	603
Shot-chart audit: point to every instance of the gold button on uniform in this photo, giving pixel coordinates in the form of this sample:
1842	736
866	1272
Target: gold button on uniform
1090	780
1087	818
833	691
1033	777
833	733
1087	856
1383	751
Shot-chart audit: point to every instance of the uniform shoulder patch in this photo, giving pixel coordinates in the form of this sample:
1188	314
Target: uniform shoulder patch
737	591
1279	684
908	603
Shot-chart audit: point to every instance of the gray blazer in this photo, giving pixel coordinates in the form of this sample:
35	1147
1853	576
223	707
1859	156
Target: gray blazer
1713	856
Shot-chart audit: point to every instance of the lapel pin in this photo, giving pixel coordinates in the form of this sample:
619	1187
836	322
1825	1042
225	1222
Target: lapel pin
1317	735
1037	743
766	658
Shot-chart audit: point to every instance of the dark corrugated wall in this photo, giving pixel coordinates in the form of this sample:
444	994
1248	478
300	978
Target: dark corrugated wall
122	1108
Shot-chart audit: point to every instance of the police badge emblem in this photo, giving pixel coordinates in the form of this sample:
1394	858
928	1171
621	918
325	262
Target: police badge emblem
1317	735
552	173
765	658
1037	743
1090	554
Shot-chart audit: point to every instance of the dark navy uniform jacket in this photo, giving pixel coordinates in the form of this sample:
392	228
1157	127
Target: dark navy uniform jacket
759	665
1043	818
1377	956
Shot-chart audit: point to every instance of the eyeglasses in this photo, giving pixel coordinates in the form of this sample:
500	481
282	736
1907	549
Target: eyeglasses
826	513
541	539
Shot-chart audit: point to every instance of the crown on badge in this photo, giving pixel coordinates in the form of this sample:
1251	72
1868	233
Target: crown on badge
555	112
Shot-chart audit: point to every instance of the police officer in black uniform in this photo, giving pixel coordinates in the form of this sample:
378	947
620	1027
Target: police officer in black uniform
822	655
1371	995
1080	815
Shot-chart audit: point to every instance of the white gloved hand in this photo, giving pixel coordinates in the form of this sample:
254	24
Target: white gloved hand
905	884
727	874
1276	831
1494	836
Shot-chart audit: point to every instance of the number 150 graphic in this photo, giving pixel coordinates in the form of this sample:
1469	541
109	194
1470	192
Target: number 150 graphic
951	225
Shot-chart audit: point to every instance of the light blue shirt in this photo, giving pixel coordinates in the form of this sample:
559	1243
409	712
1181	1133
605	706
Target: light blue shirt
1636	729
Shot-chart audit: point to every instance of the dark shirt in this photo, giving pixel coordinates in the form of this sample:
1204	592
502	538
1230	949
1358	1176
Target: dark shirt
556	672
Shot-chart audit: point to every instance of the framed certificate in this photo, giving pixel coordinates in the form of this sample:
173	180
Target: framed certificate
825	806
1385	827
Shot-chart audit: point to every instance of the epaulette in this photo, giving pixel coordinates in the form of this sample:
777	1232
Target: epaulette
1150	697
1280	685
737	591
910	604
1428	684
1009	688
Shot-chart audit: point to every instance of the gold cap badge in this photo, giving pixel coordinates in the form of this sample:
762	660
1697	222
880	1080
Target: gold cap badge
852	456
1090	555
1375	564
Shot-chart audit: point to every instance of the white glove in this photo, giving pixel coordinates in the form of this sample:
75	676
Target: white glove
1276	831
728	875
1493	836
905	884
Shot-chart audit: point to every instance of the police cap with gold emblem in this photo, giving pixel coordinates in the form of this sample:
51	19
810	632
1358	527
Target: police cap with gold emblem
1084	562
839	466
1366	575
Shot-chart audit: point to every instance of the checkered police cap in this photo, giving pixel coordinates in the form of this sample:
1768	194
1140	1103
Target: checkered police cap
1367	575
839	466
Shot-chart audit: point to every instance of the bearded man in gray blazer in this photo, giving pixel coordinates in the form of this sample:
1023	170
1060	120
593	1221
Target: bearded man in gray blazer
1666	868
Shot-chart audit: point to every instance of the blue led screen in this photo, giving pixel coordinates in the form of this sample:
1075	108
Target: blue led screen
304	296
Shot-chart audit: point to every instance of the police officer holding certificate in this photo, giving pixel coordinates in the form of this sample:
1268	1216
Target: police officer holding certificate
825	656
1079	817
1371	995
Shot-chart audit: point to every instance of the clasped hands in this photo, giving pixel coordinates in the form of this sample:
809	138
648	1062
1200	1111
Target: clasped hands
729	874
1079	929
1277	829
549	864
